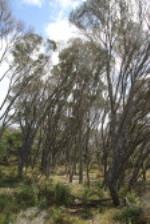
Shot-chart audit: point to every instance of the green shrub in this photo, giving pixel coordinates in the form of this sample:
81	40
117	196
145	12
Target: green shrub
27	195
56	215
8	203
5	201
43	204
131	215
46	195
123	191
132	198
87	193
86	213
62	195
93	192
99	190
57	194
8	218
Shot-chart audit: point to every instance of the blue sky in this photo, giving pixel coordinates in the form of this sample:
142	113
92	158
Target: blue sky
47	17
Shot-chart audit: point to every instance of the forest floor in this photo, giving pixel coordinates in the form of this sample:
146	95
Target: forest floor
92	205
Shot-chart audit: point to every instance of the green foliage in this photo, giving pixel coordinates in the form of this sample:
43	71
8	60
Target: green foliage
62	195
43	203
57	194
46	194
5	218
8	218
99	190
123	191
7	203
11	141
6	181
133	198
130	215
86	213
92	192
27	195
57	215
87	193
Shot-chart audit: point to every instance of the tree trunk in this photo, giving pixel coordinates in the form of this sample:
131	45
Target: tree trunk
81	170
23	158
87	174
45	163
112	181
114	194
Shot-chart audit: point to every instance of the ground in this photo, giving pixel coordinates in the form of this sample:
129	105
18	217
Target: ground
13	210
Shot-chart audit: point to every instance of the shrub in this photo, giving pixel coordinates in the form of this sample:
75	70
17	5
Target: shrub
46	192
43	204
99	190
8	218
87	193
132	198
8	203
57	194
93	192
86	213
27	195
62	195
57	215
131	215
5	201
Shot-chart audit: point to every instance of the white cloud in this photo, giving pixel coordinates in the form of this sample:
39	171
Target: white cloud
69	3
61	30
55	58
34	2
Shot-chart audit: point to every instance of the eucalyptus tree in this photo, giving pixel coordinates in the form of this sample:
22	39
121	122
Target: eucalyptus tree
120	29
10	32
32	60
80	63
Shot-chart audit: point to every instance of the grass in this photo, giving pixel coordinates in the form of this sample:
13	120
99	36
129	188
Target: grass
56	195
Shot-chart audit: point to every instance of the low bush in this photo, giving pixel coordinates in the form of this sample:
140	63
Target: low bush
133	199
27	195
57	194
86	213
99	191
62	195
87	194
93	192
5	201
56	215
60	216
130	215
8	203
7	218
43	204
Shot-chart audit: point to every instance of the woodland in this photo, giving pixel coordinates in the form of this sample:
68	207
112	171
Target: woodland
75	136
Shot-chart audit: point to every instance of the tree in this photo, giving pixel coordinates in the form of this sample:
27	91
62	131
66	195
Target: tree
124	37
81	102
29	106
10	32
